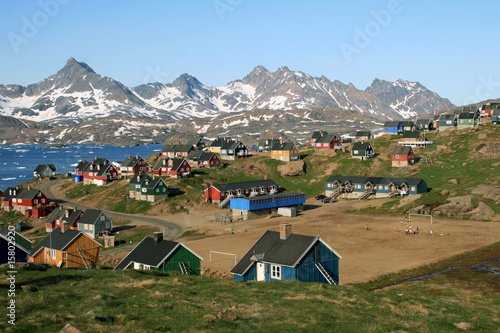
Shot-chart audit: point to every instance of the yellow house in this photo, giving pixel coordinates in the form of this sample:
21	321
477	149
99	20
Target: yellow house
217	144
284	151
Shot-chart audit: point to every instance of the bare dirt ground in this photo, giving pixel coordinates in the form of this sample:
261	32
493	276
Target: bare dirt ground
365	254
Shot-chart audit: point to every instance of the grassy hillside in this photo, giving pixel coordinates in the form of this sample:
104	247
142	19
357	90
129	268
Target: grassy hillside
145	301
453	163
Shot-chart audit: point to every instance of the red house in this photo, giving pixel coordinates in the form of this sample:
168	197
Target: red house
200	159
22	199
328	141
175	167
177	151
403	156
63	215
134	165
100	171
220	192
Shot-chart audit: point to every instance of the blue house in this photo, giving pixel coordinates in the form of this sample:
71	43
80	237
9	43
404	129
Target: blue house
11	238
392	127
447	121
285	256
253	207
375	187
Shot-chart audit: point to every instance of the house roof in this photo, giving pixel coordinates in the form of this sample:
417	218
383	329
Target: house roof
268	142
138	179
153	183
374	180
131	161
219	140
496	112
317	134
467	115
60	212
446	116
406	123
471	108
58	240
90	216
195	140
271	249
21	193
391	124
268	196
363	133
231	144
488	107
200	156
287	146
4	233
361	146
42	167
423	121
178	148
401	150
177	163
327	138
245	185
151	253
411	134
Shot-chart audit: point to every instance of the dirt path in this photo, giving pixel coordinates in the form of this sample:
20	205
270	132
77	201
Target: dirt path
366	254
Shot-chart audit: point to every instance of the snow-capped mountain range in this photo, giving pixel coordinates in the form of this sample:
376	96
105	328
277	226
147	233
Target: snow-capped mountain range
76	93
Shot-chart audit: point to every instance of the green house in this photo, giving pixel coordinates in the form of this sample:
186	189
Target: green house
156	253
467	119
143	187
362	150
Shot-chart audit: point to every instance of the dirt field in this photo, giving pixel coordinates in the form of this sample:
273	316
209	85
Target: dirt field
365	254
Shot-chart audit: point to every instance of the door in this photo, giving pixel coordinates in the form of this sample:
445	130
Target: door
261	273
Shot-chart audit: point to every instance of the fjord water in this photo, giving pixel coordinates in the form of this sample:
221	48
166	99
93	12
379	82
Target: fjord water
17	162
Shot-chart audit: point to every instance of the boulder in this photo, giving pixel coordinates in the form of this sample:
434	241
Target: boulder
464	326
293	169
457	207
482	212
69	329
488	191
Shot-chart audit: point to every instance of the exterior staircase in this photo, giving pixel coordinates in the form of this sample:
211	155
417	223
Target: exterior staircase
84	258
394	194
325	274
183	268
366	195
225	201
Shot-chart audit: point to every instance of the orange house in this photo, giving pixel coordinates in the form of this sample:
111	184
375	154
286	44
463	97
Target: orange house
284	151
67	248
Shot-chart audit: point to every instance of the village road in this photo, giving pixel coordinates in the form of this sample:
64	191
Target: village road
170	229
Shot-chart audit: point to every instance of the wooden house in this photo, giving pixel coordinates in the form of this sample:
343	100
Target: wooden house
413	138
362	136
143	187
22	199
424	124
406	126
99	171
282	255
175	167
328	141
495	116
487	109
403	156
467	119
215	146
45	170
95	223
316	135
362	150
134	164
447	121
247	208
14	247
67	248
266	144
62	215
372	187
217	193
197	142
201	159
177	151
156	253
473	109
230	150
392	127
285	151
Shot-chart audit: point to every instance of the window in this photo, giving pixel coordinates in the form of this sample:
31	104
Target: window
380	187
276	272
355	152
386	187
325	145
43	200
164	189
137	186
157	190
318	145
35	201
91	227
397	157
103	218
413	189
39	194
143	190
53	253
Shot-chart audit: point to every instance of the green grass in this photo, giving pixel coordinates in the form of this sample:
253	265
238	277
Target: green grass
148	301
129	206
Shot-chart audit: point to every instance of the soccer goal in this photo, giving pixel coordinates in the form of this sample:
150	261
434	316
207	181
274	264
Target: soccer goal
217	254
423	215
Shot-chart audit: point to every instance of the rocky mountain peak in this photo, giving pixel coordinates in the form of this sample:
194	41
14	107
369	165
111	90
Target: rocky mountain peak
74	68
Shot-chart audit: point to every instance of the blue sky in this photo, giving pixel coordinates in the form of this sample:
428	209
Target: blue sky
451	47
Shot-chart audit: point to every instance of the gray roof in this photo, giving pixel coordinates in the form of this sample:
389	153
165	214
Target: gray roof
317	134
177	162
42	167
153	183
287	146
230	144
445	116
219	141
60	212
4	233
245	185
327	138
424	121
268	142
361	146
194	141
363	133
374	180
178	148
401	150
138	179
496	112
21	193
91	216
131	161
406	123
58	240
271	249
391	124
151	253
200	156
467	115
411	134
